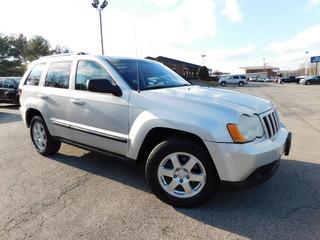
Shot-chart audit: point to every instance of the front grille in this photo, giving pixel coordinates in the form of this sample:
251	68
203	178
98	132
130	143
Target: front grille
271	123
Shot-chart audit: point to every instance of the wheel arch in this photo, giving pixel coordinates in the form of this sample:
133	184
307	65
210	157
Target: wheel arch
157	135
30	113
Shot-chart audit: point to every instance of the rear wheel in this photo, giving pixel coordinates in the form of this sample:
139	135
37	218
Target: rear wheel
42	138
241	84
181	173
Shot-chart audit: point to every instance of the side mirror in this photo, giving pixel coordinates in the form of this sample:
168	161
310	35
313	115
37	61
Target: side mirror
104	86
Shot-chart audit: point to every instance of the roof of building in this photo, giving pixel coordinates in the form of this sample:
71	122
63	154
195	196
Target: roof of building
174	61
259	67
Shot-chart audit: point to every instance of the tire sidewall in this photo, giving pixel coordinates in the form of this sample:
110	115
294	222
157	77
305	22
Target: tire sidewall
52	146
168	147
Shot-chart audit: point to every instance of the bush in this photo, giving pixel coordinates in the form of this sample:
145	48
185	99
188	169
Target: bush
203	73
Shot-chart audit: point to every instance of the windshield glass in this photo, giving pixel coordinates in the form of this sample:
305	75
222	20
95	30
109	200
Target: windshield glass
150	74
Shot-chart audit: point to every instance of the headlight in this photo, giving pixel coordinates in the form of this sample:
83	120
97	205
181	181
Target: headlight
248	129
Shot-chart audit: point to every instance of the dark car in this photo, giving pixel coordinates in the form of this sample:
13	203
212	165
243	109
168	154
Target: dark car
9	89
290	79
311	80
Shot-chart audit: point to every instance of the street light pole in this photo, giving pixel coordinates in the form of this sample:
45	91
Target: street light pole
95	4
203	56
306	69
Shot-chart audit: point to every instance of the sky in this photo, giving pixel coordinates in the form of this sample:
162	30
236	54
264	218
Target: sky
230	33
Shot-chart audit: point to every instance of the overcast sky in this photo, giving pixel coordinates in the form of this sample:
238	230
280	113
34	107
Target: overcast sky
231	33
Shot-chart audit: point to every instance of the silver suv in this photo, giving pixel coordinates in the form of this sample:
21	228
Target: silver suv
190	138
234	80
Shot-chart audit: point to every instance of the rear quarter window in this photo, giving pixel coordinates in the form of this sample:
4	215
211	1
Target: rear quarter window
34	77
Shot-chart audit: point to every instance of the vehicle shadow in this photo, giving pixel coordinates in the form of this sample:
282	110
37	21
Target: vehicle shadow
6	117
285	207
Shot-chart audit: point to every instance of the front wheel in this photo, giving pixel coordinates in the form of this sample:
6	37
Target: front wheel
42	138
223	83
181	173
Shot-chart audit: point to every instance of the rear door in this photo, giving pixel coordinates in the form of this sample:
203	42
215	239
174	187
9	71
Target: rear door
53	98
235	79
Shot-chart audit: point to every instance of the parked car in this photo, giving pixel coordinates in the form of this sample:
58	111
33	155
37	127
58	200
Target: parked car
233	80
261	79
9	89
189	137
252	79
290	79
311	80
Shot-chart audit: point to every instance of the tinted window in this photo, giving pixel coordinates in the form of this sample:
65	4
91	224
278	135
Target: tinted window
1	83
58	75
35	75
243	77
236	77
89	70
8	83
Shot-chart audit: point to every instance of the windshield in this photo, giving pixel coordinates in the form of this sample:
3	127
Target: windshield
150	74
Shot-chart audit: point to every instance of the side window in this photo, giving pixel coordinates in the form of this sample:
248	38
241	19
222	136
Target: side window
236	77
1	83
35	75
243	77
58	75
8	83
89	70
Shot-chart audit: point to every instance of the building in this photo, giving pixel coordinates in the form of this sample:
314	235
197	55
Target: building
259	71
184	69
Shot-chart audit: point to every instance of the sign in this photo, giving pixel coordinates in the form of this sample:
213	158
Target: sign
315	59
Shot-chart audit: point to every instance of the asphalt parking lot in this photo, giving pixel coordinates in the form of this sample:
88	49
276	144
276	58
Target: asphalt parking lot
77	194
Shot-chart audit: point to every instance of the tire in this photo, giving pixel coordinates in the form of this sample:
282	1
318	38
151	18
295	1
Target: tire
308	83
41	137
223	83
241	84
181	173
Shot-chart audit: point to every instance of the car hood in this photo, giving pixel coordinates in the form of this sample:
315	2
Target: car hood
215	97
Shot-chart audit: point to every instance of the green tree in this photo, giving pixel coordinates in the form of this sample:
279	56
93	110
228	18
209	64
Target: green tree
4	47
18	47
203	73
16	51
37	46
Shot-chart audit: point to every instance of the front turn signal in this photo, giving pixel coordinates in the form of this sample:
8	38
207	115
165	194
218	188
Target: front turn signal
235	134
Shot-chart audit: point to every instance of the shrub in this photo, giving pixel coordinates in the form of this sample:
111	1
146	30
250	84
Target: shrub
203	73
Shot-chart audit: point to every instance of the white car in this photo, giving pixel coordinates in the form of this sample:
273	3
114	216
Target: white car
260	79
233	80
190	138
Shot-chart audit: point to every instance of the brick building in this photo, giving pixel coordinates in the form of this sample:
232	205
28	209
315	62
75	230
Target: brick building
184	69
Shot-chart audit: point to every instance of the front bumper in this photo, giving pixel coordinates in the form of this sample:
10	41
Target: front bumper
252	163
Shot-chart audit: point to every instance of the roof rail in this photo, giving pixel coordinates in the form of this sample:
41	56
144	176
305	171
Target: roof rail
63	54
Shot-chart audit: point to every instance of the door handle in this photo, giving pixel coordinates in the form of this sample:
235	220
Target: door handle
43	96
78	102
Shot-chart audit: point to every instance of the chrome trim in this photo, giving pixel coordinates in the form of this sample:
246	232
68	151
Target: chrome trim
89	130
271	123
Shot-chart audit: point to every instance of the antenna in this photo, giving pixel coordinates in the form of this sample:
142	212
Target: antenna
136	48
